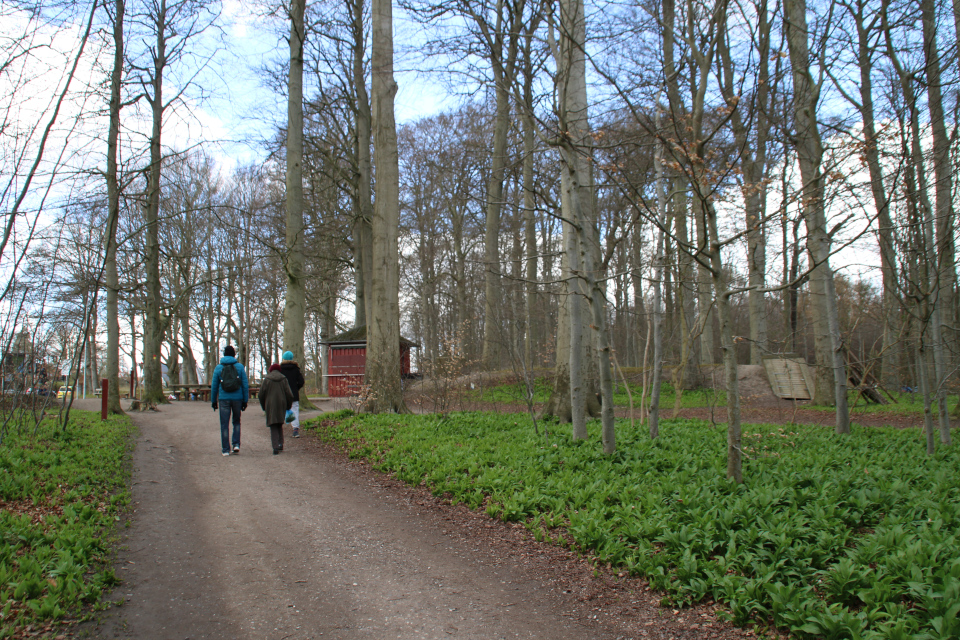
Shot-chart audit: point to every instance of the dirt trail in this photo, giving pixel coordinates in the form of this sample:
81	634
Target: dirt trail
296	546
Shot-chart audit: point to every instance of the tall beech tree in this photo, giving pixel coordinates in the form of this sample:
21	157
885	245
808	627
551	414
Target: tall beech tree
383	323
363	213
173	25
295	304
111	277
809	147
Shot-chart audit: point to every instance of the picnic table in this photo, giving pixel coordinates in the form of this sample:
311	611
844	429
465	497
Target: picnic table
190	391
202	392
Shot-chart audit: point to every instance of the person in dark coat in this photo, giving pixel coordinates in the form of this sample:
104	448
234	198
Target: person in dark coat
276	398
291	370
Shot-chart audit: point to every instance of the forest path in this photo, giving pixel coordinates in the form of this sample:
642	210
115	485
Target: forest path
296	546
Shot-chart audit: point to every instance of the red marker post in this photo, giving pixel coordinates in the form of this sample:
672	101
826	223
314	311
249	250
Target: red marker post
104	386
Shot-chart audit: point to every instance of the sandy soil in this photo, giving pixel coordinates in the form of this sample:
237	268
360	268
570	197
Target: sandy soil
310	544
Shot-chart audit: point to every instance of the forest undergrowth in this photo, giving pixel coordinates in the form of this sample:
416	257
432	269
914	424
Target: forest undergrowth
514	392
60	492
909	403
829	536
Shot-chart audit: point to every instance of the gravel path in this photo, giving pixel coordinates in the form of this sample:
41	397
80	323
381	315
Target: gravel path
257	546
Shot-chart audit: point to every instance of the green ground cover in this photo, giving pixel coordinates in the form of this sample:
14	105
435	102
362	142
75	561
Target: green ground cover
59	493
907	404
829	537
515	393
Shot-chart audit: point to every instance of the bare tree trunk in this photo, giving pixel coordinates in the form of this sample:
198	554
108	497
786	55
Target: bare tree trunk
383	328
533	331
729	349
211	347
604	348
575	312
152	329
559	404
923	368
753	159
810	154
885	237
689	371
529	232
113	206
491	244
945	252
578	160
929	285
583	245
678	119
657	323
931	334
502	43
91	370
133	352
328	329
294	311
363	233
189	362
734	435
704	295
173	362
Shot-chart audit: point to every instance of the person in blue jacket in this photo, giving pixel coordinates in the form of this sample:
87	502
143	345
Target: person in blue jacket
229	390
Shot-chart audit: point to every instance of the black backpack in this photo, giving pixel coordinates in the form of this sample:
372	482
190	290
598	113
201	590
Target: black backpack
229	378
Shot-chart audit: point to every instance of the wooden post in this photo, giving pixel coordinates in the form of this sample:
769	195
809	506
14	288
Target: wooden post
104	388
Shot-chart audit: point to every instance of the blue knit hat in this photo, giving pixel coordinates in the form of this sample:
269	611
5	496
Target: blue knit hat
288	355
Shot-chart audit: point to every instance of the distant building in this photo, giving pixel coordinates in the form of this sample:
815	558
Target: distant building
346	356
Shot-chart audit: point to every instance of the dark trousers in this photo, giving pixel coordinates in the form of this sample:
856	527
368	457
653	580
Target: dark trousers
276	436
228	407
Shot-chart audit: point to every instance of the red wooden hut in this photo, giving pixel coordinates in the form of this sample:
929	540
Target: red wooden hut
347	359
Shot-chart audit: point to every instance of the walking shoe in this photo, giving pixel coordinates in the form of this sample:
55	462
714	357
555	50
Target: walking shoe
236	448
226	453
296	433
276	452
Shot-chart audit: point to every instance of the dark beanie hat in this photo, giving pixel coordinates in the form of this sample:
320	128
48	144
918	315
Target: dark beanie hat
274	367
229	351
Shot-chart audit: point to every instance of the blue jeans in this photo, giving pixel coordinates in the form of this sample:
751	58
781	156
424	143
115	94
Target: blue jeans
226	408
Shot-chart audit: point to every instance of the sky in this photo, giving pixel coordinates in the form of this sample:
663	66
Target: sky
241	111
231	111
230	105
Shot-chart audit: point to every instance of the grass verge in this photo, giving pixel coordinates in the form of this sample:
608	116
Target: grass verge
59	493
829	537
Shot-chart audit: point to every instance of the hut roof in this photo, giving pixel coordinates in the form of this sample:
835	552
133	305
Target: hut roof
358	335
